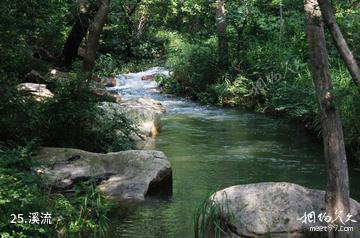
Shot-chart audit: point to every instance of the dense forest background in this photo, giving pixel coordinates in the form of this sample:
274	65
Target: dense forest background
256	57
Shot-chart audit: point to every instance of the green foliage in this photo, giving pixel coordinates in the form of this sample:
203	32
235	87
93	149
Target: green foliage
84	215
130	30
229	92
107	65
167	84
212	219
72	118
19	197
27	26
193	64
348	104
20	116
75	119
110	65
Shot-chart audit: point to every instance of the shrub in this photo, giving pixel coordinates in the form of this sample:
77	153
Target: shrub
229	92
193	65
73	118
20	115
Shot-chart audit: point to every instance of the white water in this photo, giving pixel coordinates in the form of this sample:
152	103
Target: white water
132	86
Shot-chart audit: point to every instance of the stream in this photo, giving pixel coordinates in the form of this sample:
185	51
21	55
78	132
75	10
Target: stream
212	148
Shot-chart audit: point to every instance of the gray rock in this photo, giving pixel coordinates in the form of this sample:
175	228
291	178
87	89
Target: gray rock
124	176
274	210
108	82
38	91
149	77
145	112
145	103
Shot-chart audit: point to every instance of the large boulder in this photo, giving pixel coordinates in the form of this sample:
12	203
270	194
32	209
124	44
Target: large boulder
144	112
149	77
274	210
126	175
38	91
144	103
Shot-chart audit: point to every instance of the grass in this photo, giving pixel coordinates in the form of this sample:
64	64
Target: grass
213	219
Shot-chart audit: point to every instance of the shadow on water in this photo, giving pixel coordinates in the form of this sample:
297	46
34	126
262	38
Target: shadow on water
211	148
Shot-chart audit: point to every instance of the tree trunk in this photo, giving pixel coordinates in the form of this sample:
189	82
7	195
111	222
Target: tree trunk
337	188
340	42
221	31
77	33
94	35
140	26
128	12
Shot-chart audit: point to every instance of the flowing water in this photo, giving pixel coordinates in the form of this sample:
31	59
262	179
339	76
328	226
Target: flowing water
211	148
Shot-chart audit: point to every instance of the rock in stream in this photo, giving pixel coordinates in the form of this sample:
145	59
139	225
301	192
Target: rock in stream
144	112
275	210
124	176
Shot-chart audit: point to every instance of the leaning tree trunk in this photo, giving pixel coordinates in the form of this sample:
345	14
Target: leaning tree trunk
337	188
221	32
340	41
94	35
77	33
